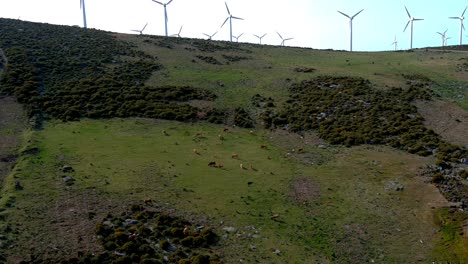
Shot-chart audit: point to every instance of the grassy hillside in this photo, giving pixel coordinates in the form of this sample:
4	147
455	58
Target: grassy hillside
145	149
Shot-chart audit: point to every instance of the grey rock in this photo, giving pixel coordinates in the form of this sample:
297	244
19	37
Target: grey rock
276	251
229	229
68	180
67	168
394	186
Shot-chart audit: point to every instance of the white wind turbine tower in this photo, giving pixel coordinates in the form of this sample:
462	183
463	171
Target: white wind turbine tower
283	39
82	6
395	43
178	34
165	12
462	27
260	38
411	20
237	38
230	17
351	27
141	31
444	41
210	36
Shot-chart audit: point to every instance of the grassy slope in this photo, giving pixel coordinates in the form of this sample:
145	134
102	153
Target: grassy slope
350	215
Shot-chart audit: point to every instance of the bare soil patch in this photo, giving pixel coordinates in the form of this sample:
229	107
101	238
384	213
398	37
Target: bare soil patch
304	190
12	124
446	119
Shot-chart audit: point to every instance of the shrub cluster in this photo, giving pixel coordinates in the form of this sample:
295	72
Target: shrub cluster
349	111
141	235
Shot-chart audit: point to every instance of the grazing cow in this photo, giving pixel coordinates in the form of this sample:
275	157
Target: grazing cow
242	166
251	167
251	132
274	216
196	151
269	157
186	230
300	150
220	137
225	129
219	165
263	147
234	156
212	164
165	133
147	200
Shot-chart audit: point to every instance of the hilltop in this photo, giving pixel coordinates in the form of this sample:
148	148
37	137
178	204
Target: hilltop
137	148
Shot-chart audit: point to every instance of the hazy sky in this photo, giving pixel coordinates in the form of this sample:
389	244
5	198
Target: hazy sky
312	23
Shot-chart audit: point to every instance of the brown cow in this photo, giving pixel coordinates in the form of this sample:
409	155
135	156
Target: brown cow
234	156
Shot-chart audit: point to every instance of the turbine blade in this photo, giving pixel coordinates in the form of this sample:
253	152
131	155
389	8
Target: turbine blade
445	31
180	30
464	11
264	35
225	21
407	12
418	19
344	14
279	35
206	35
240	35
81	3
454	17
463	27
227	8
357	14
144	27
288	39
169	2
214	34
158	2
256	36
406	25
237	18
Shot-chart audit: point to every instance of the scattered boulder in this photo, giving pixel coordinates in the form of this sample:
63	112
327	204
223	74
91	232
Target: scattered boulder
464	161
68	180
67	168
229	229
394	186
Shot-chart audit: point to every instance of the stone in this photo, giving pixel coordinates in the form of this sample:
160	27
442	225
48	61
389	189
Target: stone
276	251
230	229
67	168
68	180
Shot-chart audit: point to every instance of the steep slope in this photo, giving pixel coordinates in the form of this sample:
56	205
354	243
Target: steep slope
337	162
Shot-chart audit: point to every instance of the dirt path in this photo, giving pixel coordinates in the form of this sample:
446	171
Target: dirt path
13	123
446	119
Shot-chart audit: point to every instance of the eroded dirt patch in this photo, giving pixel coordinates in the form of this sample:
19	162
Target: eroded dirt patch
446	119
304	190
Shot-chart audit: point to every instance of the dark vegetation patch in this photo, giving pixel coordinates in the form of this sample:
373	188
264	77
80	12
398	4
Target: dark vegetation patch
349	111
234	58
242	118
209	60
305	69
451	180
262	102
462	66
142	235
69	73
211	46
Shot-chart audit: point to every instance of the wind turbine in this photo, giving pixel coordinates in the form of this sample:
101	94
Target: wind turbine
260	38
462	27
351	27
443	37
395	43
141	31
283	39
210	36
446	40
82	6
178	34
230	17
165	12
411	20
237	38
